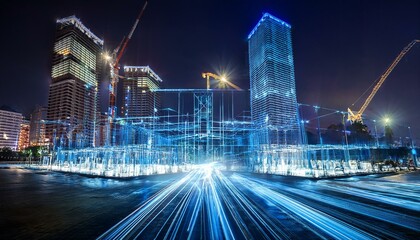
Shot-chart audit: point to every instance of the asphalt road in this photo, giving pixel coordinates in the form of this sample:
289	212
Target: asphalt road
208	204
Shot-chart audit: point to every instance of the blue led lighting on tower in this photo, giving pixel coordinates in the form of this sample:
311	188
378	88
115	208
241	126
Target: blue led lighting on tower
274	107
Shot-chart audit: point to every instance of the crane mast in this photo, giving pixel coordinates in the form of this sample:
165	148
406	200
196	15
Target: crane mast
357	117
114	66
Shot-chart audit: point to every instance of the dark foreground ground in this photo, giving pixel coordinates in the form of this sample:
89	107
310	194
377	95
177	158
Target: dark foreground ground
207	204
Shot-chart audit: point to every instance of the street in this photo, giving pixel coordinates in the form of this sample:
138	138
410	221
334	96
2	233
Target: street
209	204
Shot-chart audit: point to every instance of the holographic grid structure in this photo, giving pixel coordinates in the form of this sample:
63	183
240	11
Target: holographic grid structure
199	126
203	126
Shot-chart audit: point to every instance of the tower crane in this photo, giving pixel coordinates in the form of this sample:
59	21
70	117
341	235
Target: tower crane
357	117
114	66
208	75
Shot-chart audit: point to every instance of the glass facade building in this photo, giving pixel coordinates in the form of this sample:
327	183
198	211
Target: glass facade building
10	122
72	101
24	135
37	127
274	108
139	84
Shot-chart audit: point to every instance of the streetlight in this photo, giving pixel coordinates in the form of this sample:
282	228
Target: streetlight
303	131
388	131
347	154
413	150
344	128
411	139
387	120
318	123
106	56
376	134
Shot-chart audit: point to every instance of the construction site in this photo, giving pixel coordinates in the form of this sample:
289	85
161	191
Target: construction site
216	126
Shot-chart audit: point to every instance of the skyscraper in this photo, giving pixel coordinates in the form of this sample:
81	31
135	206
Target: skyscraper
138	85
273	93
72	101
37	127
24	135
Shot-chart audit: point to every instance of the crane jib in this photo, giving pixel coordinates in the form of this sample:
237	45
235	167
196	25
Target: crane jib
358	116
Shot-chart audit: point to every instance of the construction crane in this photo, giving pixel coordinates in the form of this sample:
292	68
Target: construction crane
208	75
114	66
357	117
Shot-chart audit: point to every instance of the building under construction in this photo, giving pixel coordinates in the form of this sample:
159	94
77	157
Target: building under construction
171	130
203	126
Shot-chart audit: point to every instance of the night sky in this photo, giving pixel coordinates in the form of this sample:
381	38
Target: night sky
340	47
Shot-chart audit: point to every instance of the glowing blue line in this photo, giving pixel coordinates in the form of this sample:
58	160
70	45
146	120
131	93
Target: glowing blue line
330	225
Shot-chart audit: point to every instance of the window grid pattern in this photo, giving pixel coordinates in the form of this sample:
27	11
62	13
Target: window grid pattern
273	95
9	129
139	84
77	60
72	101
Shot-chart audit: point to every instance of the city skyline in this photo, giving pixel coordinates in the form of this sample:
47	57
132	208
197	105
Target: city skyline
212	119
346	41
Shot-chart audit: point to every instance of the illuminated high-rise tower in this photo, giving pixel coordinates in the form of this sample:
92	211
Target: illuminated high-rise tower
37	127
274	107
24	135
72	101
139	98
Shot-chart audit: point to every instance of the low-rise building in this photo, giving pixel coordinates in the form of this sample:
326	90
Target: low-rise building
10	122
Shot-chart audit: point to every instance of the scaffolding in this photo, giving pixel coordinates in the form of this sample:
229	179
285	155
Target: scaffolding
200	126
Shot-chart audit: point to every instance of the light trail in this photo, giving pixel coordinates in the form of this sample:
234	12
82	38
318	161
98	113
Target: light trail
330	225
264	224
345	204
126	227
209	204
378	197
314	192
